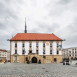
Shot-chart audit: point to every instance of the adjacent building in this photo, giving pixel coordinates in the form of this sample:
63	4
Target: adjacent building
70	53
3	54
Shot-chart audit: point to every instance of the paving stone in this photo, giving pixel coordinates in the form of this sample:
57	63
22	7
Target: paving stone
37	70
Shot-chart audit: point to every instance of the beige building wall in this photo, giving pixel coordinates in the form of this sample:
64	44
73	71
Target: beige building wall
48	59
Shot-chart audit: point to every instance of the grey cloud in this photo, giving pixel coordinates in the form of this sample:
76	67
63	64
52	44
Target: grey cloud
12	20
47	28
73	26
64	1
6	11
60	7
2	26
4	44
5	14
71	37
70	42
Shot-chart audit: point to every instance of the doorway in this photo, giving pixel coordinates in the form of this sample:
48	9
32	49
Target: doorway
55	60
15	59
34	60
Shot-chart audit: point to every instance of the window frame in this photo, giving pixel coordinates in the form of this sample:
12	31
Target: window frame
15	44
15	51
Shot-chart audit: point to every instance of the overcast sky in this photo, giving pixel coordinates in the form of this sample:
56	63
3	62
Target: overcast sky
42	16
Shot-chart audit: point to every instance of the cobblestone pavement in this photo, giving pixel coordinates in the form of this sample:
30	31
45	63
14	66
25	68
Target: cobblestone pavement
37	70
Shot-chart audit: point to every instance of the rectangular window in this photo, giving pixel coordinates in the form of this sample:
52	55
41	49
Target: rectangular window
23	45
15	44
44	45
23	51
15	51
75	51
57	52
50	51
44	57
30	45
50	45
30	51
43	51
57	45
37	51
69	51
60	46
37	45
69	55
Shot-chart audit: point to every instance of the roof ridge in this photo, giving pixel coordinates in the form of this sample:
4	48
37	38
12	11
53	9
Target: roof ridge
34	33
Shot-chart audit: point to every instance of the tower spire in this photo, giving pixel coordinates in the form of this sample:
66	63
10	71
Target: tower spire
25	31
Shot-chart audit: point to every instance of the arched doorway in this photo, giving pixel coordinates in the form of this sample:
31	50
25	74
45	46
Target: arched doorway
34	60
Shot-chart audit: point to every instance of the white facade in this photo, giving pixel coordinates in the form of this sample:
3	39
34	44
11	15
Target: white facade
19	48
13	48
33	47
54	49
40	47
47	47
26	48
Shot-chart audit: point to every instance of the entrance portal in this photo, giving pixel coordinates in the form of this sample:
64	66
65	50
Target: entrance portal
15	59
34	60
55	60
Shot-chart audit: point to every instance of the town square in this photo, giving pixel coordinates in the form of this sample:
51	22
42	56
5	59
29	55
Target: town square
38	70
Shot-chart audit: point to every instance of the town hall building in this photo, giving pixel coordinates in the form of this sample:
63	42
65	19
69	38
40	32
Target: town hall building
35	47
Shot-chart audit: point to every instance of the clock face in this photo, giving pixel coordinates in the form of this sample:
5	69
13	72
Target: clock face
47	43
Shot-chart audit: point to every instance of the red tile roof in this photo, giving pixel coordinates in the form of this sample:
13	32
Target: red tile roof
35	37
3	50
